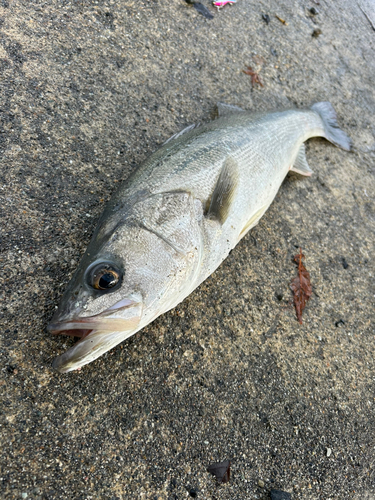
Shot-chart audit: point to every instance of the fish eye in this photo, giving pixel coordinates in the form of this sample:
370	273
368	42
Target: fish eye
104	277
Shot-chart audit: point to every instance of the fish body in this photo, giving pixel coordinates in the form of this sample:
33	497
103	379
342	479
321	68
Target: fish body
177	217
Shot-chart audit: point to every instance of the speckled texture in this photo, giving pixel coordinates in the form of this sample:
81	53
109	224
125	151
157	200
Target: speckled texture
88	90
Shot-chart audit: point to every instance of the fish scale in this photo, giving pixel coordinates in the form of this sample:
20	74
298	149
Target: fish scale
177	217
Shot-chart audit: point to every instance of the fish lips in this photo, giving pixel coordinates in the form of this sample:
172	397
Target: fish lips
98	333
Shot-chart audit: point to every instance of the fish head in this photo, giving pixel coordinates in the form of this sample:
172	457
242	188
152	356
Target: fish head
132	272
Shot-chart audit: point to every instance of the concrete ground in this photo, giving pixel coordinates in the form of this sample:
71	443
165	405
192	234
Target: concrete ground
88	90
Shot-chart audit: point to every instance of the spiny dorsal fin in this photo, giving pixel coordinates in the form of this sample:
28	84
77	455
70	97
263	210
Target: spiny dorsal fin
182	132
300	165
224	191
227	109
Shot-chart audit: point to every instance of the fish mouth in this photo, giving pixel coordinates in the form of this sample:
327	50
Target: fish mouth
79	332
97	335
65	329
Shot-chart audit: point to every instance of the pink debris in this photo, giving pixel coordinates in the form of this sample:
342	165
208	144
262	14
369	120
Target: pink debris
221	3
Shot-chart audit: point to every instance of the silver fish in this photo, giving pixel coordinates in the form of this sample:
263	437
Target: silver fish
176	219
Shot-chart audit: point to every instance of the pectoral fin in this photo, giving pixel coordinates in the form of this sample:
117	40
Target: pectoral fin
224	192
300	165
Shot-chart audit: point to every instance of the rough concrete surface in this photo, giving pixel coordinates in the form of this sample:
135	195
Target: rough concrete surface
88	90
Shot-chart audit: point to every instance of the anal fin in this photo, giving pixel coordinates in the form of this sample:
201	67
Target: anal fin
300	165
224	192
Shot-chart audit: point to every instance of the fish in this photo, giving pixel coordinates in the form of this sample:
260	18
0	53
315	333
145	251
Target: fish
176	218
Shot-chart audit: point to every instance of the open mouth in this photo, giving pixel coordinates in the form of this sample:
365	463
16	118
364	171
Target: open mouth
79	332
93	342
81	328
72	332
108	320
97	334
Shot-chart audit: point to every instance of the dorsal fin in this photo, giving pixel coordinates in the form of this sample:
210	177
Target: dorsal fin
182	132
300	165
227	109
224	192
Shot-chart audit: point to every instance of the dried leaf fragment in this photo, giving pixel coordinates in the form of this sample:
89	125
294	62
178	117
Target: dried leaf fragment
220	470
254	76
301	286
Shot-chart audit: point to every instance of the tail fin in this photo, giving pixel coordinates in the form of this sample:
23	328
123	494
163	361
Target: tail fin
332	131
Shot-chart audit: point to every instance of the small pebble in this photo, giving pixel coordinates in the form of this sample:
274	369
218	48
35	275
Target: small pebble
314	11
345	265
329	452
280	495
316	33
266	18
261	483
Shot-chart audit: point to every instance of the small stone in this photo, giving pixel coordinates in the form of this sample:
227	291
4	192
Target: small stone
266	18
227	311
261	483
24	494
314	11
280	495
329	452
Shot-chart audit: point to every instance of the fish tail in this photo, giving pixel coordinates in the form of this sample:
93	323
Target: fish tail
331	128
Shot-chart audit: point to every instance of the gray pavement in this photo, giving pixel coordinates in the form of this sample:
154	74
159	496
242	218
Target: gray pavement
88	90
